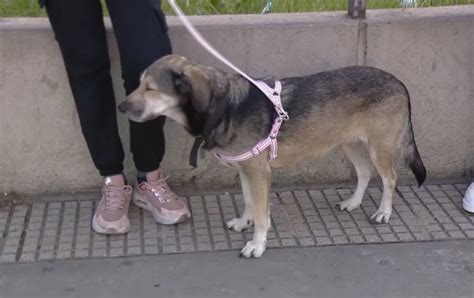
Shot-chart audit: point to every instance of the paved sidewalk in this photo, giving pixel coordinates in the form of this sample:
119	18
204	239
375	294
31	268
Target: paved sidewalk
58	229
443	269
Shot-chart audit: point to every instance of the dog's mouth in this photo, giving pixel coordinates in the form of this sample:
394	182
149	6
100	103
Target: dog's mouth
146	111
139	117
147	118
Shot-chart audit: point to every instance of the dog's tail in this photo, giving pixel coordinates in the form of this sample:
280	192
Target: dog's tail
413	158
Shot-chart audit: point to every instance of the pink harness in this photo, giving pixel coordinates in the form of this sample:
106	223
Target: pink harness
274	95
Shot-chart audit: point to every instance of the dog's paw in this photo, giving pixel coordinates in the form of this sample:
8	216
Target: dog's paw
253	249
382	215
239	224
349	204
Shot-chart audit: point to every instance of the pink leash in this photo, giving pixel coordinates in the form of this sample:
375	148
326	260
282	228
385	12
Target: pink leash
273	94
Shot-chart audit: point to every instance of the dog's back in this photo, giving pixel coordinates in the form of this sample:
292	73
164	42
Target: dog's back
348	105
362	84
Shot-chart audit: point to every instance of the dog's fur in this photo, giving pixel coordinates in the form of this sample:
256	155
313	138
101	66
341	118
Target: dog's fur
364	110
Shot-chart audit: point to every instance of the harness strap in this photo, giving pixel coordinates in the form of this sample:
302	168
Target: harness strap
271	139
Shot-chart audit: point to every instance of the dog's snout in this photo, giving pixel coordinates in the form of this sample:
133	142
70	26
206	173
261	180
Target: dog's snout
133	109
123	107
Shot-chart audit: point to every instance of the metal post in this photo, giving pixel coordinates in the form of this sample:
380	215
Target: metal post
357	8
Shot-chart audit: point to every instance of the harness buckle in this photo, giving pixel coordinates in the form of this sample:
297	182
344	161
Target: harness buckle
282	114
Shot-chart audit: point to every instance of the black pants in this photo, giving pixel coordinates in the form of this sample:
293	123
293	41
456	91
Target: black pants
140	30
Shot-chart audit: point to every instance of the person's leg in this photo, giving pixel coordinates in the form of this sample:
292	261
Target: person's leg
141	32
80	32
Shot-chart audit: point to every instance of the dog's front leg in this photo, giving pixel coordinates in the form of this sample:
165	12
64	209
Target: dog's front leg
246	220
257	173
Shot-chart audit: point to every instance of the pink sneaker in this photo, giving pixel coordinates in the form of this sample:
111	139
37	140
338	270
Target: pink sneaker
156	196
111	216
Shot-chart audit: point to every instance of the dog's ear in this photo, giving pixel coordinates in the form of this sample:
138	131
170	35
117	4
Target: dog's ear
194	83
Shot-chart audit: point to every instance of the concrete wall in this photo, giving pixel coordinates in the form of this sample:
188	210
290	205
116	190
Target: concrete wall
431	50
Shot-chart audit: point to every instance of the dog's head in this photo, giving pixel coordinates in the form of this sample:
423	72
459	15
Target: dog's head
172	87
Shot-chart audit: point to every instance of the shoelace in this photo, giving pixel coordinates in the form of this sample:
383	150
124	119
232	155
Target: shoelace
161	190
115	197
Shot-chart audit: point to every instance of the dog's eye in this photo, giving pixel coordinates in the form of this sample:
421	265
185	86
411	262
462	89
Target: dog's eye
151	87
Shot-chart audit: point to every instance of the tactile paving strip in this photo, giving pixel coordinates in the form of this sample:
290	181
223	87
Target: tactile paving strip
62	230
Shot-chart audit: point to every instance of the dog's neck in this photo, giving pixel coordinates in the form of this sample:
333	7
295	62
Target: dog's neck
236	103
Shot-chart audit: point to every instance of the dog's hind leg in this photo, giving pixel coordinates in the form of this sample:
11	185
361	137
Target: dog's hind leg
246	220
257	173
383	157
357	154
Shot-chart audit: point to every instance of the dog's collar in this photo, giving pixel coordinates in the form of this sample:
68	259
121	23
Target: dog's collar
274	95
193	156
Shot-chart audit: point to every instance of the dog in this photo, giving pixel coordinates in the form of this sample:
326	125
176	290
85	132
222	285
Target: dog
364	110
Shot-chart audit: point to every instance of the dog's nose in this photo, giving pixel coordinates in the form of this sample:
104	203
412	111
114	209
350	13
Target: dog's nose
123	107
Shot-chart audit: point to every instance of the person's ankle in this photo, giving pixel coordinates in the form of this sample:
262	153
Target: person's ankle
143	176
116	179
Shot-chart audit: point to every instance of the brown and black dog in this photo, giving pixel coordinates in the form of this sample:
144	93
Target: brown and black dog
364	110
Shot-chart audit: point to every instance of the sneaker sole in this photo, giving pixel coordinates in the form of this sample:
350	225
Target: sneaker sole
468	206
141	203
110	231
